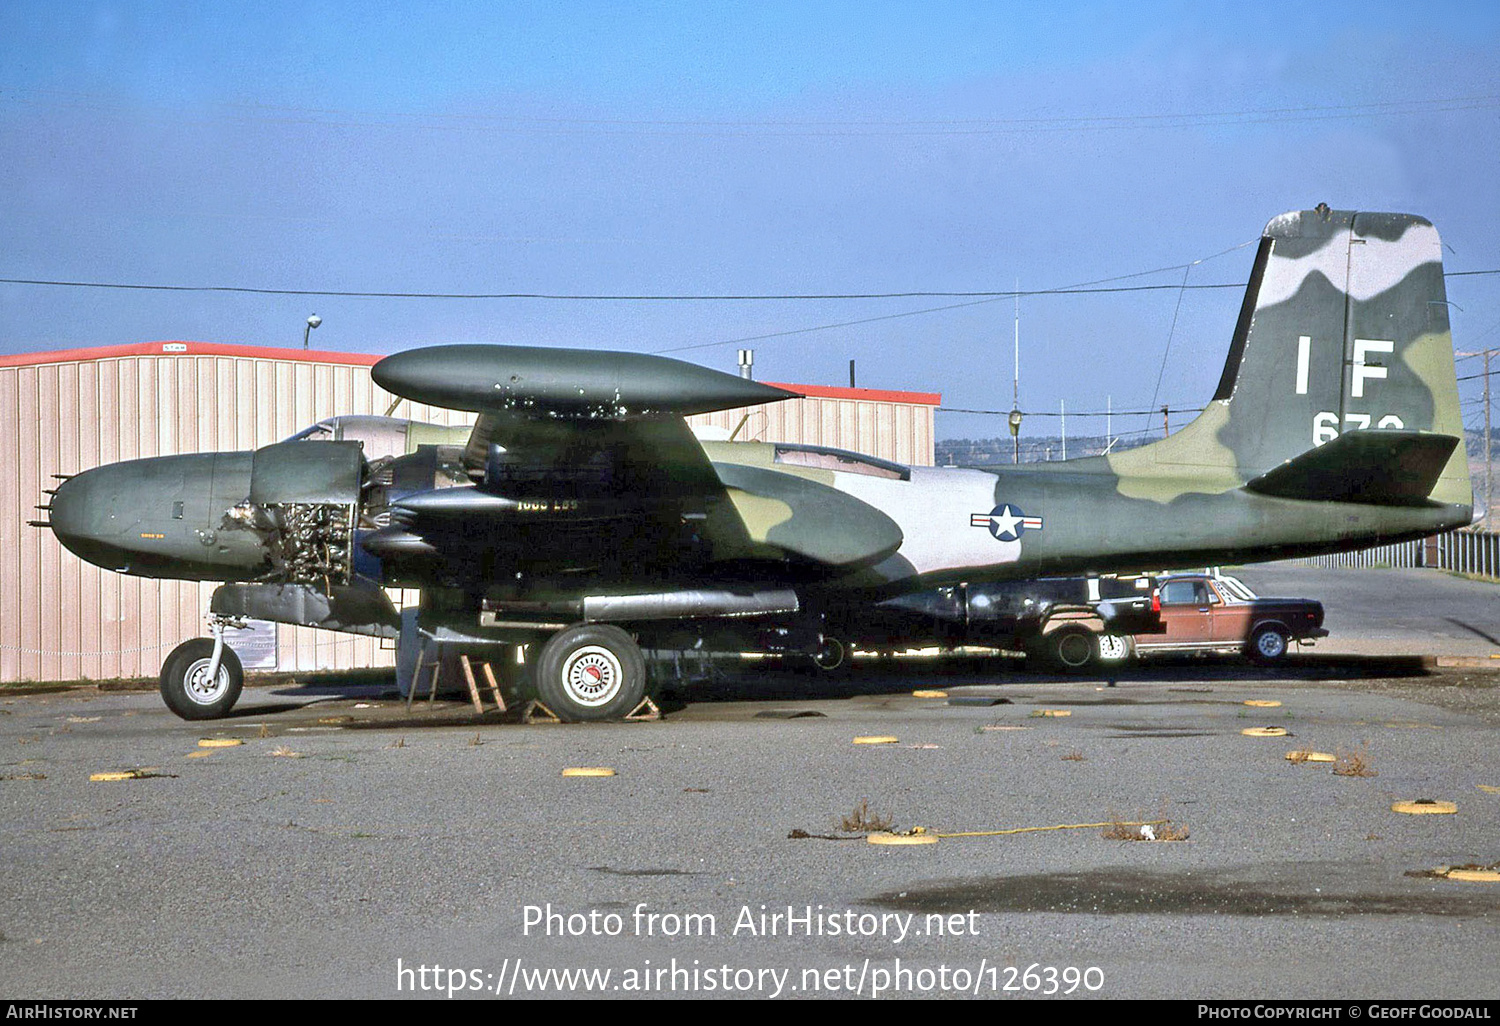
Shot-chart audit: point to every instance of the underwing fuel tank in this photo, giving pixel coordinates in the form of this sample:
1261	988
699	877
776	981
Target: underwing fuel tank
469	501
564	382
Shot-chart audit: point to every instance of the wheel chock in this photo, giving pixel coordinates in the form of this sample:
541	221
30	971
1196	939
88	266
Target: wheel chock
1425	806
536	712
646	712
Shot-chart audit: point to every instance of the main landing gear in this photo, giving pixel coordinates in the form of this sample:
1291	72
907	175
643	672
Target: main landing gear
590	671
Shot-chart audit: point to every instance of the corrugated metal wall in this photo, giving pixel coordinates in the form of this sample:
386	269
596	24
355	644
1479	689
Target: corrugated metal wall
63	619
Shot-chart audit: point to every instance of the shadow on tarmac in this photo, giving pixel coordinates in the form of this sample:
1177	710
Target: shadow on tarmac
774	680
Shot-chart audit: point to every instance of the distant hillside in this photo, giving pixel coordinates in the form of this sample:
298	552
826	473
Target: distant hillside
987	452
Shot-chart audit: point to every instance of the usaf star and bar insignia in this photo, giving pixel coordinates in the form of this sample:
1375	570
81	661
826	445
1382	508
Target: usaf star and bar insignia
1006	523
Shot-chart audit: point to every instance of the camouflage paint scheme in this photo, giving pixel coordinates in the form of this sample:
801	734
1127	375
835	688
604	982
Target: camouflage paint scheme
1344	327
586	480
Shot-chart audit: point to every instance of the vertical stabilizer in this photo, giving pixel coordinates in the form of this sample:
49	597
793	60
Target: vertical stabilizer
1344	327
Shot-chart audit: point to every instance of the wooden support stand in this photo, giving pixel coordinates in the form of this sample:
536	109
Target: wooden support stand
430	666
436	664
489	676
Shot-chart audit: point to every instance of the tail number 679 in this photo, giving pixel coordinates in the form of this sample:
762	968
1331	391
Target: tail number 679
1326	425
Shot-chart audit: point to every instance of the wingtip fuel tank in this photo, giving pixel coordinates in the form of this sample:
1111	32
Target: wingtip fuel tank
531	380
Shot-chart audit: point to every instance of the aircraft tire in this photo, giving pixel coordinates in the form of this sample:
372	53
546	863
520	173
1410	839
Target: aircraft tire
1268	645
185	686
590	671
1072	649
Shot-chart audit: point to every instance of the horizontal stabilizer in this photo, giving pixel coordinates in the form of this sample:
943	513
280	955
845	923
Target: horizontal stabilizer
1376	467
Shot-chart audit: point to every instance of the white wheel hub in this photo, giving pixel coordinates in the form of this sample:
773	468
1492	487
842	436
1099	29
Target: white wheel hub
592	676
1270	644
1112	648
202	689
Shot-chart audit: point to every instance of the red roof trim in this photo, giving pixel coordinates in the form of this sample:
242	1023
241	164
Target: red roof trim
870	395
183	348
179	348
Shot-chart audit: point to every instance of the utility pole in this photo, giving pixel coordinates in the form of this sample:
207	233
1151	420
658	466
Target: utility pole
1489	473
1062	405
1015	392
1166	427
1490	494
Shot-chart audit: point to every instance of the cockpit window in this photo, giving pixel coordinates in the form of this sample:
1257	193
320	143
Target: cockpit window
840	460
322	431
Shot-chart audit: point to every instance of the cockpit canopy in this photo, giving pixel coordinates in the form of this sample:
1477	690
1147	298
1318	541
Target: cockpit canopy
383	436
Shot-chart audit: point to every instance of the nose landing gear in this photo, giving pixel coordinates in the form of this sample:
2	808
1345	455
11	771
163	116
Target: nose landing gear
202	678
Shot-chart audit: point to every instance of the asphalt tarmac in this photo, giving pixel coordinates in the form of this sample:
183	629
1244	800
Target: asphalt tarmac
348	849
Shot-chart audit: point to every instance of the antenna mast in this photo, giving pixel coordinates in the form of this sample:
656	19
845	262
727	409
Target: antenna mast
1015	395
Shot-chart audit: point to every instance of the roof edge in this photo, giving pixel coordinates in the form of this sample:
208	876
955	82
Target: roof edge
872	395
180	347
183	348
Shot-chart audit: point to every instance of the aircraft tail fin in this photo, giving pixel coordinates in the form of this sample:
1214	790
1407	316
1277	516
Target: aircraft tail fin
1344	328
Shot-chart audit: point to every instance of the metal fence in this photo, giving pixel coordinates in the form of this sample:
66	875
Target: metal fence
1465	552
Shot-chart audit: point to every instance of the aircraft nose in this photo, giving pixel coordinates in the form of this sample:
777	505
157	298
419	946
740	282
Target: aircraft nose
161	516
83	515
71	503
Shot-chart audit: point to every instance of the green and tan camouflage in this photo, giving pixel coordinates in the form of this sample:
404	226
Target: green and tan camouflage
1344	328
581	495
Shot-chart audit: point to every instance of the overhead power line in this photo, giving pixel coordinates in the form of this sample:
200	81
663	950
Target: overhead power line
1070	413
811	127
705	297
605	297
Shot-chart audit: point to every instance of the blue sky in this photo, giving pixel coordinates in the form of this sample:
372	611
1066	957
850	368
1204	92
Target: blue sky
763	148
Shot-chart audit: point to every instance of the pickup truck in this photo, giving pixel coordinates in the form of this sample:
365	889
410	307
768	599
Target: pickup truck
1212	613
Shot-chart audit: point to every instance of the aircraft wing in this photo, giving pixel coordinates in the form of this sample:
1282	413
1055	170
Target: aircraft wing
574	417
579	458
640	459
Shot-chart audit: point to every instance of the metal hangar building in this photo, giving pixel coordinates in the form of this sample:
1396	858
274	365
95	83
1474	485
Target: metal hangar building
70	410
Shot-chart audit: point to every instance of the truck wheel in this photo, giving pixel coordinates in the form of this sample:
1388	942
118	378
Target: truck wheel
1072	648
1268	645
590	671
831	655
187	688
1115	648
